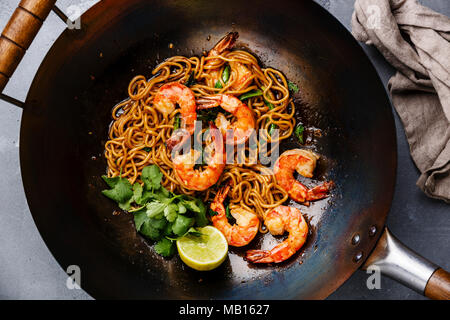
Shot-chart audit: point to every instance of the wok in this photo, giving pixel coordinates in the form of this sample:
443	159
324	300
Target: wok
65	124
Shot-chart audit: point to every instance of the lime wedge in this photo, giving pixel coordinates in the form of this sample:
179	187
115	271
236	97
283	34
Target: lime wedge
205	252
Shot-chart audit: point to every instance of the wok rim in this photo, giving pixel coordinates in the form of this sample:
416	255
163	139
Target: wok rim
88	17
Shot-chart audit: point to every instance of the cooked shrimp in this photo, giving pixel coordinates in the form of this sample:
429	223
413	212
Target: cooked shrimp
240	130
194	179
304	162
165	101
246	226
242	74
279	220
224	44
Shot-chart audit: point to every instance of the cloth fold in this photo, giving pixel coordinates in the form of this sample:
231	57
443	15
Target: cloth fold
415	40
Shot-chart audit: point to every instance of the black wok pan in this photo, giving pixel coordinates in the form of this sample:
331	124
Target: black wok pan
86	72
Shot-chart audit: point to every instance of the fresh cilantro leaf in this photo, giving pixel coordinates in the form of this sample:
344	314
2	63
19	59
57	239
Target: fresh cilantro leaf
191	205
159	224
168	229
151	175
160	214
200	217
147	149
155	209
181	209
126	205
111	182
139	218
193	232
162	192
143	199
148	230
165	247
121	191
137	192
293	87
198	208
171	212
182	224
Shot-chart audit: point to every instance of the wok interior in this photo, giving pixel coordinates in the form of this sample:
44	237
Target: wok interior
65	126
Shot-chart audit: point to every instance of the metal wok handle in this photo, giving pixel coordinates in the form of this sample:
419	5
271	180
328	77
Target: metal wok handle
18	34
399	262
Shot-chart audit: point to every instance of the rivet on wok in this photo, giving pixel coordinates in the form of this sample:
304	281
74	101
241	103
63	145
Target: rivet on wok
372	231
358	256
356	239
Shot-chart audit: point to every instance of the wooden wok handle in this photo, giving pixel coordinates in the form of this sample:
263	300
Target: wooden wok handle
18	34
438	287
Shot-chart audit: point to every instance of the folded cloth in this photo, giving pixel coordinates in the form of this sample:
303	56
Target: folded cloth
415	40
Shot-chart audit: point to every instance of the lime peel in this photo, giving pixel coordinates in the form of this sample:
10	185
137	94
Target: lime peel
205	252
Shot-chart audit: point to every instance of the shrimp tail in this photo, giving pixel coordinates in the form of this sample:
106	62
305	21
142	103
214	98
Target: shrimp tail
259	256
226	42
320	192
222	194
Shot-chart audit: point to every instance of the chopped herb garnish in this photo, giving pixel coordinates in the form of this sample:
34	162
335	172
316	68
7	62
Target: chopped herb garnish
227	212
225	77
230	218
218	85
182	224
271	106
212	213
293	87
191	232
272	126
159	215
250	94
299	129
207	115
226	74
176	124
121	191
165	247
191	80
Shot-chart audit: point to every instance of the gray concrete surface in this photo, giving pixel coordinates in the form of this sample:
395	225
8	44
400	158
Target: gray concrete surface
29	271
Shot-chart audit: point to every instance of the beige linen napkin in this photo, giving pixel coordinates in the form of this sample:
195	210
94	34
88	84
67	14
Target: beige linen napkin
415	40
